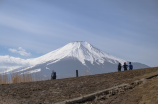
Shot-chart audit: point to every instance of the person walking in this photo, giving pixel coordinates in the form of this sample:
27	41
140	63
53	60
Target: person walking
130	66
53	75
119	67
125	66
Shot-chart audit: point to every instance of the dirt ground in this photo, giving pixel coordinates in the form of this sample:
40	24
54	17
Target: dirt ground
52	91
145	93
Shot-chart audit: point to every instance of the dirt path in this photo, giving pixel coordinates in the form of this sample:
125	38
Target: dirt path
50	92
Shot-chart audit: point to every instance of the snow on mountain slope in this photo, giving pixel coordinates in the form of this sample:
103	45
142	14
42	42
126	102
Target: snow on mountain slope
65	60
81	50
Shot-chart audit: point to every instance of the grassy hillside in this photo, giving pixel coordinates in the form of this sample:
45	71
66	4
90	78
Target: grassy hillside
52	91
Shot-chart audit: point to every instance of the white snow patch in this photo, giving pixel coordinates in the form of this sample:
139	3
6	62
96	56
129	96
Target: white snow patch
32	71
47	68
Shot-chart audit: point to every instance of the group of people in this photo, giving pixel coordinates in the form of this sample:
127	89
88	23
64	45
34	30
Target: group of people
125	66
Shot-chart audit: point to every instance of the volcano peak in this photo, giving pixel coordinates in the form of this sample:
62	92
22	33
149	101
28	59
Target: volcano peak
81	50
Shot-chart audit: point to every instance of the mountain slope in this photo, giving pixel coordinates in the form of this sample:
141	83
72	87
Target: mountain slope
78	55
83	51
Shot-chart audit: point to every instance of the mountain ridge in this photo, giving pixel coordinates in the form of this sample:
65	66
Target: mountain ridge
81	50
75	55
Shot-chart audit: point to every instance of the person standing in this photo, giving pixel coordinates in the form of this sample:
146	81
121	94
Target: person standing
125	66
130	66
53	75
119	67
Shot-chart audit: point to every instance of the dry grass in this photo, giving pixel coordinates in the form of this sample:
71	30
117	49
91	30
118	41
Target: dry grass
17	78
4	79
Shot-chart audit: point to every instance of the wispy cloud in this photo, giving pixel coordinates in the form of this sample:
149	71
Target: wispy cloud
19	24
20	50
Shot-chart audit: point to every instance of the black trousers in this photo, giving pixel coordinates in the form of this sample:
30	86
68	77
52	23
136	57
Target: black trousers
125	69
119	69
54	77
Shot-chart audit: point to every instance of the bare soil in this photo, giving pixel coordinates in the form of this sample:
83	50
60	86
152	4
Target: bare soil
145	93
53	91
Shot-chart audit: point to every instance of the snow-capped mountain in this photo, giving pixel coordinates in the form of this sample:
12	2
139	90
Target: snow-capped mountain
83	51
75	55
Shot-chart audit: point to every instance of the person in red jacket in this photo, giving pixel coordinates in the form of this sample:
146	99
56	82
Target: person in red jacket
125	66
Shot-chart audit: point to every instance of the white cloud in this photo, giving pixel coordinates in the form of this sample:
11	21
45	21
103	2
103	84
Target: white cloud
9	63
20	50
12	60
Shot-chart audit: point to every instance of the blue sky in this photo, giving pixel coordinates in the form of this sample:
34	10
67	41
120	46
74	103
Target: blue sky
127	29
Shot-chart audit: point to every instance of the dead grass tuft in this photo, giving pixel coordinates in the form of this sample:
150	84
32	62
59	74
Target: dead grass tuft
18	78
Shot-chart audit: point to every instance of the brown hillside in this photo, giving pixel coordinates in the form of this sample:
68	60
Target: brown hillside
145	93
52	91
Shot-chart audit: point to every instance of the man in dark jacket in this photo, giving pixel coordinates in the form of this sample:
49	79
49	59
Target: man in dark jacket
53	75
130	66
119	67
125	66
